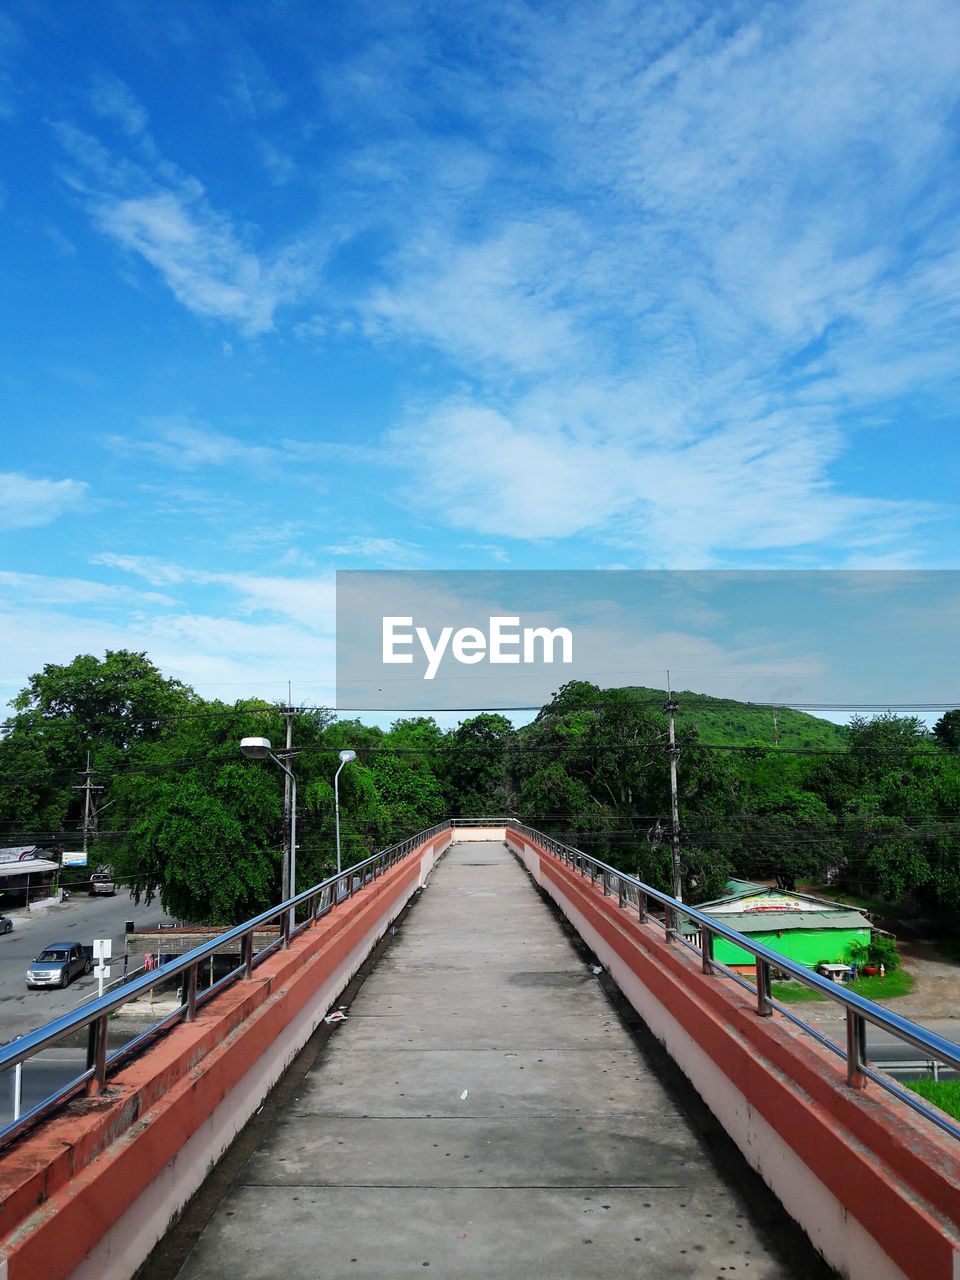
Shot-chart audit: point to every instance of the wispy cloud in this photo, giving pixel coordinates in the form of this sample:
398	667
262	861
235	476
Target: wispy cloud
251	87
188	445
26	503
155	211
113	100
659	276
10	43
201	256
705	306
382	551
448	293
35	590
307	600
752	487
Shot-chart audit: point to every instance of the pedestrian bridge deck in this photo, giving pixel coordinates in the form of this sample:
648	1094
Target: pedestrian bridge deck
484	1112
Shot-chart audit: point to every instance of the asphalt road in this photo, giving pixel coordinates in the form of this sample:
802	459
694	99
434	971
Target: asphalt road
81	919
890	1053
41	1077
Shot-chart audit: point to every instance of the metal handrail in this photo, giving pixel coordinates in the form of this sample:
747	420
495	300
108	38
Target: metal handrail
483	822
93	1016
858	1009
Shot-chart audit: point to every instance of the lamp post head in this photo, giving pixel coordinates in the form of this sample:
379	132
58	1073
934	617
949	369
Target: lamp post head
347	756
255	748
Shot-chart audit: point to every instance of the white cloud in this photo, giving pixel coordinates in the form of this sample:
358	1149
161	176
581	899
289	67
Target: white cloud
38	589
201	257
219	655
382	550
229	635
26	503
252	89
188	445
11	41
755	486
154	210
113	100
307	600
498	300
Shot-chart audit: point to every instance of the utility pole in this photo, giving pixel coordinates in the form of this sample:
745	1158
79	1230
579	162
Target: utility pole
671	708
776	728
89	806
288	715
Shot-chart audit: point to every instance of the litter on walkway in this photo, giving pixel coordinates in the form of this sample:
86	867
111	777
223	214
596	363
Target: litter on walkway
339	1016
464	1095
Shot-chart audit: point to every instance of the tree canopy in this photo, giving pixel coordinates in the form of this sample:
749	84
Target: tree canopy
182	817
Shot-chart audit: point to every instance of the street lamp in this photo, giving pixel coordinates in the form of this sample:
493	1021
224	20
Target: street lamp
345	758
260	749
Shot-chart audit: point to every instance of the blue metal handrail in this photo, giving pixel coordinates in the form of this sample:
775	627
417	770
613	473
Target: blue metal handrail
93	1016
859	1010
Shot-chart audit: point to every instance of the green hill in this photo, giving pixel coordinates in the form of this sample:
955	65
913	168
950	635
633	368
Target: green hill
725	721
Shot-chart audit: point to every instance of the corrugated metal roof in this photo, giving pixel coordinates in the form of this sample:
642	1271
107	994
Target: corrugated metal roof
780	921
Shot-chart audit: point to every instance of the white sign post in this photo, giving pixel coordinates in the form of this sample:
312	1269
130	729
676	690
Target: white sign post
102	951
17	1088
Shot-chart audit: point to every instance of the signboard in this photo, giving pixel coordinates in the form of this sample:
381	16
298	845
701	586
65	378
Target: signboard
102	948
770	901
17	853
75	859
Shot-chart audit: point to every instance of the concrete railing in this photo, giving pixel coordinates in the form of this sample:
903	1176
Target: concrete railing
875	1185
89	1191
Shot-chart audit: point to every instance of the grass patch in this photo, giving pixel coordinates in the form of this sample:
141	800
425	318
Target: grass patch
898	983
794	993
889	987
944	1094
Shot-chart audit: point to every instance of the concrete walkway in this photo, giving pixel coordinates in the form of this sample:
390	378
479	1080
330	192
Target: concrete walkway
482	1113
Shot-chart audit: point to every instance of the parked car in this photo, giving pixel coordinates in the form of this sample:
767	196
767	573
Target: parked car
102	881
6	924
58	964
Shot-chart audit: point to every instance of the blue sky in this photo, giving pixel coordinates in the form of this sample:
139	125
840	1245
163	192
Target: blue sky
295	287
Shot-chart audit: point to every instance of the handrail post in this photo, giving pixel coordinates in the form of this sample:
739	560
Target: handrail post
621	893
706	950
285	929
764	1007
191	994
642	906
248	954
856	1050
97	1054
671	918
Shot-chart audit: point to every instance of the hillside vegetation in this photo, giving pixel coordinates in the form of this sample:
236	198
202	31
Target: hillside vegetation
186	817
725	721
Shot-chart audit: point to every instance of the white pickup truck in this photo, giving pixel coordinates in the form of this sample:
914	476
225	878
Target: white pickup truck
102	881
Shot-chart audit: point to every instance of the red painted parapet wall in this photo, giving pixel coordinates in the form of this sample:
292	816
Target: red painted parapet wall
874	1185
89	1193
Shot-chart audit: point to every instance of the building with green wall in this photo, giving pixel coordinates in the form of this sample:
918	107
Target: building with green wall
807	929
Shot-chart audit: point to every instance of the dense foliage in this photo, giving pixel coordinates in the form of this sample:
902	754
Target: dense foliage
182	816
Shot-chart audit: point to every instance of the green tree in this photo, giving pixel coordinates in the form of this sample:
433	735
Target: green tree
947	730
473	763
198	826
106	707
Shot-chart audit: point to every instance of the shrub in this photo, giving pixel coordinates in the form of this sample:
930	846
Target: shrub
879	951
